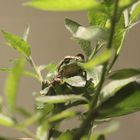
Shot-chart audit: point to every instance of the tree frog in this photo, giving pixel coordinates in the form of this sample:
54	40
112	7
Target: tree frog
69	67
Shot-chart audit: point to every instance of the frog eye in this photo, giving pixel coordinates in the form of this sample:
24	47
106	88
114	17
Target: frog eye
81	56
66	60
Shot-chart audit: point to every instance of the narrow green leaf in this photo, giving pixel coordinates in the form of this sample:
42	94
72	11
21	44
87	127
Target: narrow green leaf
17	43
12	84
135	12
62	115
60	98
6	121
63	5
103	57
124	73
124	101
120	33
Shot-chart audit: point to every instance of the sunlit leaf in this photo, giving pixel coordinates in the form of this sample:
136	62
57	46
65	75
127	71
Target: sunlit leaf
17	43
63	5
126	3
6	121
114	86
124	101
101	58
12	84
119	34
124	73
135	12
60	98
97	18
86	33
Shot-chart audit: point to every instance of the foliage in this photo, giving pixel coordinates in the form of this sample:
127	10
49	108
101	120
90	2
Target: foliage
77	82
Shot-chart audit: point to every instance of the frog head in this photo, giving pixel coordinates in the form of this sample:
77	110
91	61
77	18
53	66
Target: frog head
69	67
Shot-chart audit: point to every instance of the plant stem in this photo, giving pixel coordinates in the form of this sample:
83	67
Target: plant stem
35	68
93	111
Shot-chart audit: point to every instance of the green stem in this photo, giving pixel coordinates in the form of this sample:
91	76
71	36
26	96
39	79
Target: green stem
92	114
35	68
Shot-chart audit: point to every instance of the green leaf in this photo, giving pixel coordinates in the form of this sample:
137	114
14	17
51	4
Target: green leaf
135	12
17	43
12	84
86	47
76	81
66	136
120	33
63	5
103	57
114	86
59	98
72	26
95	74
62	115
6	121
97	18
51	71
124	73
124	101
123	4
86	33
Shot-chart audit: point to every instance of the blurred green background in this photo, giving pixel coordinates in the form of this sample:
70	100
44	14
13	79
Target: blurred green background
50	42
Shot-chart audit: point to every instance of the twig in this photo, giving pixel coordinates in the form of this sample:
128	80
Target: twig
92	114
